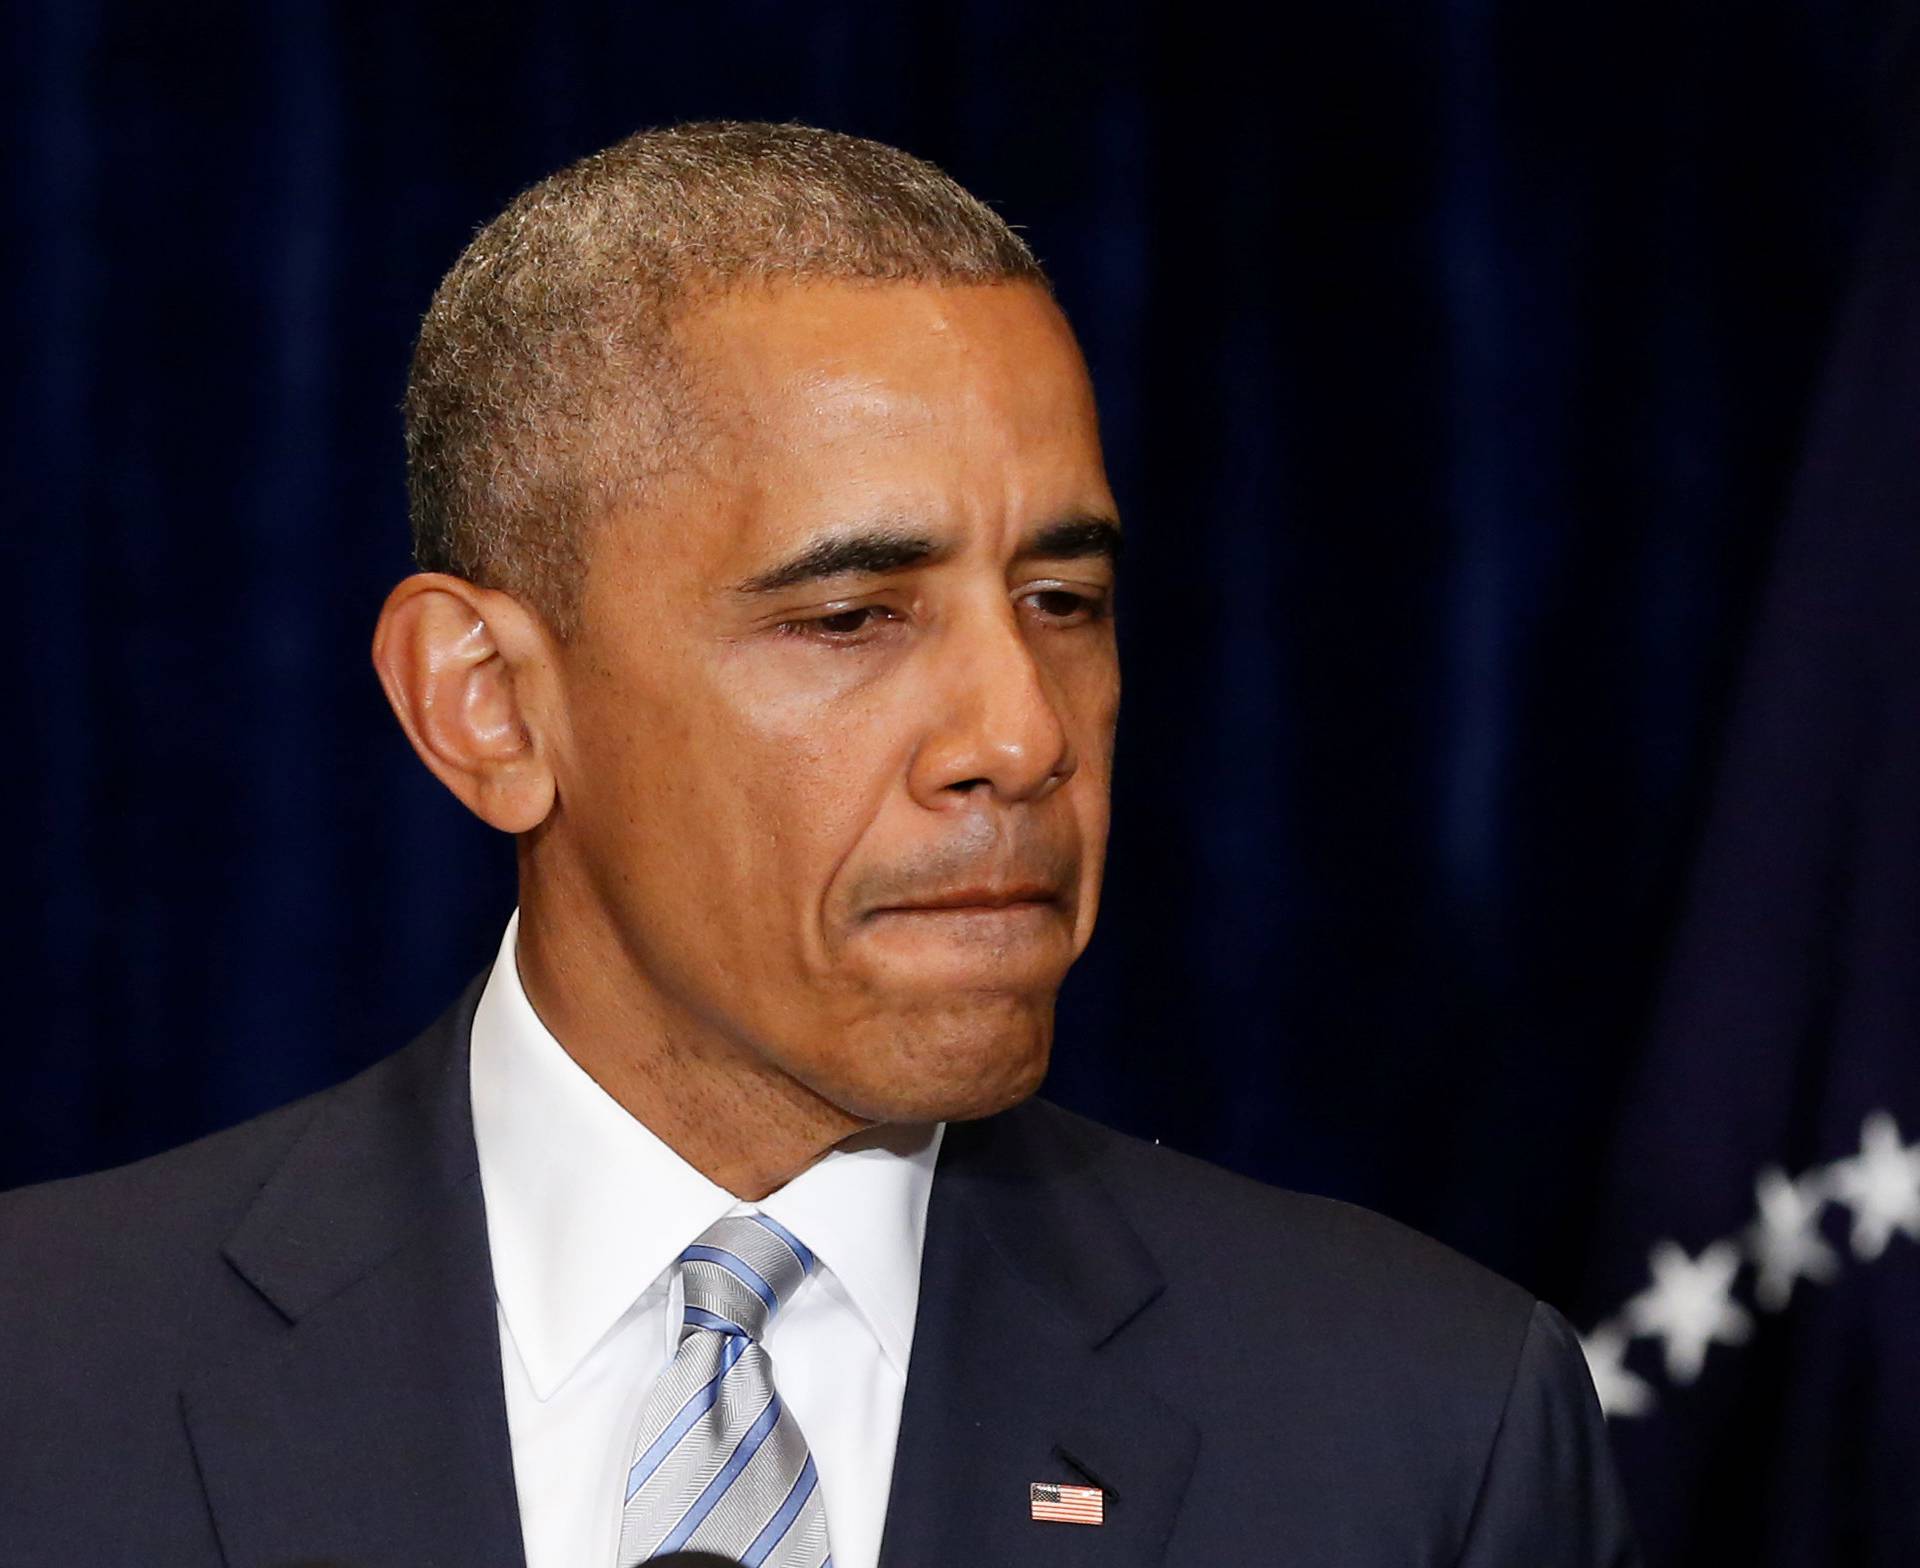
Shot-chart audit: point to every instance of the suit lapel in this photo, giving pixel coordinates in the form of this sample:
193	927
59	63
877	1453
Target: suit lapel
371	1430
1029	1270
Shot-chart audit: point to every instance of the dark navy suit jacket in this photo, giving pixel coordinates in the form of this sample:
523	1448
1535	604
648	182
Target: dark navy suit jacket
278	1346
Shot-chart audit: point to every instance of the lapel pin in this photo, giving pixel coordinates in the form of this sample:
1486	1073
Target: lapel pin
1067	1504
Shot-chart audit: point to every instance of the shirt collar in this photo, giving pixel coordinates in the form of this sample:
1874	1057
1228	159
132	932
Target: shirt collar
586	1208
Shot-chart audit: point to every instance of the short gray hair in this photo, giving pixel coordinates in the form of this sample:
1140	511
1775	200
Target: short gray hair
545	389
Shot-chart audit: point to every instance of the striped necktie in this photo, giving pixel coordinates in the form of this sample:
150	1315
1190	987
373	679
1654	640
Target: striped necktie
719	1463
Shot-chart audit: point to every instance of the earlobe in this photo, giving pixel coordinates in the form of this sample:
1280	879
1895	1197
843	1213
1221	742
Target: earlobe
460	665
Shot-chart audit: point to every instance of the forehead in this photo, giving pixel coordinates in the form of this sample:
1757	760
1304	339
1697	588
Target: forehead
951	404
838	340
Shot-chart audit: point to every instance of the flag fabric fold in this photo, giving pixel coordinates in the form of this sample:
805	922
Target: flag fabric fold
1753	1302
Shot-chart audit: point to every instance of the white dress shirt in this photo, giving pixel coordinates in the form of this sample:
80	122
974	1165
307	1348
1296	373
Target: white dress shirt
587	1212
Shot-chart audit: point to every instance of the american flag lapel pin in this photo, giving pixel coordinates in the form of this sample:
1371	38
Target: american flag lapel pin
1067	1504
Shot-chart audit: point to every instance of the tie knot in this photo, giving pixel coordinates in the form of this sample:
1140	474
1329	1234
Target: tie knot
739	1272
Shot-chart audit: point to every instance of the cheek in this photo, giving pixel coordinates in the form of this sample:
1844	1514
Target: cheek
809	774
1090	693
1087	680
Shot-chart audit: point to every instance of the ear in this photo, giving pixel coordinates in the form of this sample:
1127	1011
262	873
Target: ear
470	674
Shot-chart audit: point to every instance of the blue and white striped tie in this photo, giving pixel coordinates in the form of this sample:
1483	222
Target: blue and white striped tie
719	1463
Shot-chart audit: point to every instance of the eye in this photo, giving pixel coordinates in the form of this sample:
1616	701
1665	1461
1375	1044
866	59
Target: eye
839	625
1065	604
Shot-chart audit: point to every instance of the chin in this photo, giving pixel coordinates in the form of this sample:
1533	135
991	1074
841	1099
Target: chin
958	1064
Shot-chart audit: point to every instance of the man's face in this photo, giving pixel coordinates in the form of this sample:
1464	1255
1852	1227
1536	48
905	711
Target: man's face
840	717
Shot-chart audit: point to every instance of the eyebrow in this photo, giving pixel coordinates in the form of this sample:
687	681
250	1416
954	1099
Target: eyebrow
868	551
876	551
1074	539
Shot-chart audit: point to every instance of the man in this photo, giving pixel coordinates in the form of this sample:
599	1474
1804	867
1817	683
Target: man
767	599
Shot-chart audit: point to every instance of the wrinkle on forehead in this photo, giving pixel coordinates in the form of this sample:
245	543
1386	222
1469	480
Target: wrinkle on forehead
858	406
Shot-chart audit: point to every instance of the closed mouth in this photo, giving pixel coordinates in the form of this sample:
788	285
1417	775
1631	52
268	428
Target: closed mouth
974	900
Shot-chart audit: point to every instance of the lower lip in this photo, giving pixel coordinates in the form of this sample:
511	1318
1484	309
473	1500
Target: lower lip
1024	910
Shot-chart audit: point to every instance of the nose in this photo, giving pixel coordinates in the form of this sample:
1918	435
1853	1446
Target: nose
995	725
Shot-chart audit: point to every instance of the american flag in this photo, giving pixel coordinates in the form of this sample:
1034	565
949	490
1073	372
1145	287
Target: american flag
1068	1504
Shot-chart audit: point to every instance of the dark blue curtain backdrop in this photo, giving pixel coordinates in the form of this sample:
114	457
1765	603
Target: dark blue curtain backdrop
1459	361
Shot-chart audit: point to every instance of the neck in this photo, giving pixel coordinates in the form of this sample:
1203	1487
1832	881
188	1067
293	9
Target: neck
731	1114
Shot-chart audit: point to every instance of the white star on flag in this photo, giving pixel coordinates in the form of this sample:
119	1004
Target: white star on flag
1785	1241
1881	1184
1621	1392
1689	1305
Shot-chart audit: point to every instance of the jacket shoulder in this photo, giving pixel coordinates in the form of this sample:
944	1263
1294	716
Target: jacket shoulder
151	1232
113	1290
82	1224
1369	1303
1240	1233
